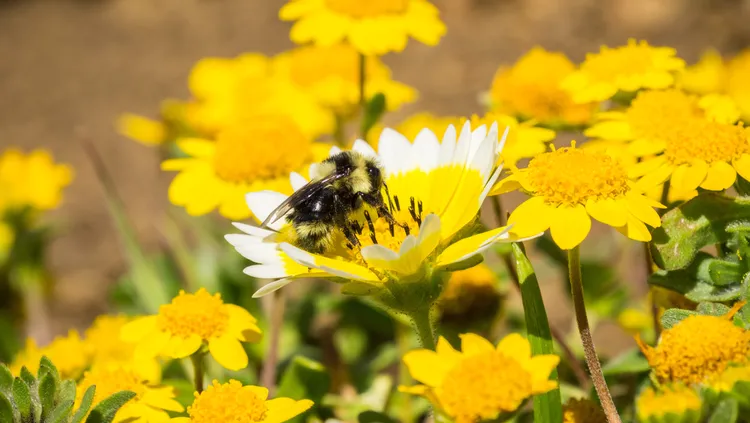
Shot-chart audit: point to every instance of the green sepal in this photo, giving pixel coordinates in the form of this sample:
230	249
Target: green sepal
304	379
547	406
6	379
373	112
674	316
83	409
22	398
695	224
726	411
6	409
47	391
105	411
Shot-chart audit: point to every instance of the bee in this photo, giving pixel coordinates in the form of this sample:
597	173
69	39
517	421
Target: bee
346	182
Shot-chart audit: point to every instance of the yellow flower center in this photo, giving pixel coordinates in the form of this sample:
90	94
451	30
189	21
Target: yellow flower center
656	113
367	9
707	141
610	63
698	347
482	386
199	314
675	399
229	402
110	380
371	229
571	176
263	148
583	411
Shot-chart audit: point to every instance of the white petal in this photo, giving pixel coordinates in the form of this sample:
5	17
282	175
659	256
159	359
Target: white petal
427	238
501	144
238	240
425	151
262	203
362	147
477	137
266	271
262	253
379	252
408	244
393	149
483	159
252	230
297	180
490	183
448	146
461	155
299	255
313	171
334	151
272	287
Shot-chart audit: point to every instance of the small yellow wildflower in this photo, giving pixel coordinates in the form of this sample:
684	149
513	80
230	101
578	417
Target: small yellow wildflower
142	129
705	77
530	89
233	403
371	27
471	291
714	75
627	68
570	185
582	410
480	382
259	155
150	404
331	75
104	346
192	321
697	348
68	353
737	83
672	403
727	380
32	180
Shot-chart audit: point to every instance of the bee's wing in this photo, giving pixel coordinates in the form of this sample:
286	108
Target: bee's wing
300	196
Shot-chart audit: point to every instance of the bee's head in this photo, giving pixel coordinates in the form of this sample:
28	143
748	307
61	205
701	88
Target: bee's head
375	175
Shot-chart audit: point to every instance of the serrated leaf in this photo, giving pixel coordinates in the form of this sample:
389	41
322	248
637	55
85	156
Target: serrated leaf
304	379
60	413
6	409
712	309
83	409
22	398
695	224
47	392
629	362
105	411
547	406
6	378
727	411
67	391
673	316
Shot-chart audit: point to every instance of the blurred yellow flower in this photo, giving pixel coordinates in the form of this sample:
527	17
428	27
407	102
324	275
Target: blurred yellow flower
142	129
480	382
371	27
582	410
68	353
568	186
7	237
737	82
105	346
150	404
229	92
697	348
190	323
259	155
530	89
32	180
714	75
671	403
331	75
231	402
626	68
705	77
727	380
472	290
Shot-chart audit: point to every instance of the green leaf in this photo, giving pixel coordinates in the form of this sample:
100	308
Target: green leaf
706	292
712	309
547	406
61	413
727	411
724	272
22	398
373	112
47	367
692	225
673	316
105	411
374	417
47	392
28	377
67	391
304	379
6	409
83	409
629	362
6	378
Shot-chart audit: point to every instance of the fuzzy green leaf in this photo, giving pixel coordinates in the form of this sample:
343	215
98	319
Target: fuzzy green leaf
674	316
707	292
105	411
6	409
47	392
304	379
83	409
727	411
373	112
722	272
547	406
22	398
67	391
693	225
60	413
6	379
712	309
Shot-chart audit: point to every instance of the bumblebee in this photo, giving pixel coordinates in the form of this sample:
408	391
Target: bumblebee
346	182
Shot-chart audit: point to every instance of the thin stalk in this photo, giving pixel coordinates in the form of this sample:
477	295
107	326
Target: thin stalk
423	327
198	370
571	359
362	77
268	373
592	360
654	308
404	378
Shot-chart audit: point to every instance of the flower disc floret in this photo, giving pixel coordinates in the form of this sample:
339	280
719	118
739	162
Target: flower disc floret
655	113
676	400
199	314
707	141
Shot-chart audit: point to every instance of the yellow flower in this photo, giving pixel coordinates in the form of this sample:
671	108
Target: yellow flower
727	380
583	411
567	187
737	83
255	156
233	403
68	353
436	188
371	27
697	348
105	346
712	74
480	382
471	291
530	89
331	75
142	129
191	322
627	68
672	403
705	77
230	91
32	180
150	404
699	153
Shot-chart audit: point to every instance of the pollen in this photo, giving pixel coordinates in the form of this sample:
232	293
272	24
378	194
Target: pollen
483	386
359	9
707	141
229	402
570	176
610	63
653	114
199	314
671	399
264	148
110	380
697	348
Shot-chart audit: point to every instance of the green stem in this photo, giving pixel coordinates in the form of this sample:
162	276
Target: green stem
423	327
404	378
198	370
592	360
362	77
276	321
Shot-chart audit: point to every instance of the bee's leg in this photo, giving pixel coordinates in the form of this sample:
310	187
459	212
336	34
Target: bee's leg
350	237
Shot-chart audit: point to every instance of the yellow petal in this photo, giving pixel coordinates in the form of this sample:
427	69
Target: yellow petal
428	367
742	166
228	352
531	217
570	226
607	211
646	147
515	346
645	167
282	409
688	177
656	177
153	345
635	229
196	147
138	329
242	324
721	175
611	130
540	368
467	247
162	398
259	391
641	208
474	344
179	347
508	184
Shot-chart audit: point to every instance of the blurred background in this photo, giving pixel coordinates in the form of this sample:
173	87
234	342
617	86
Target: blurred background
68	68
